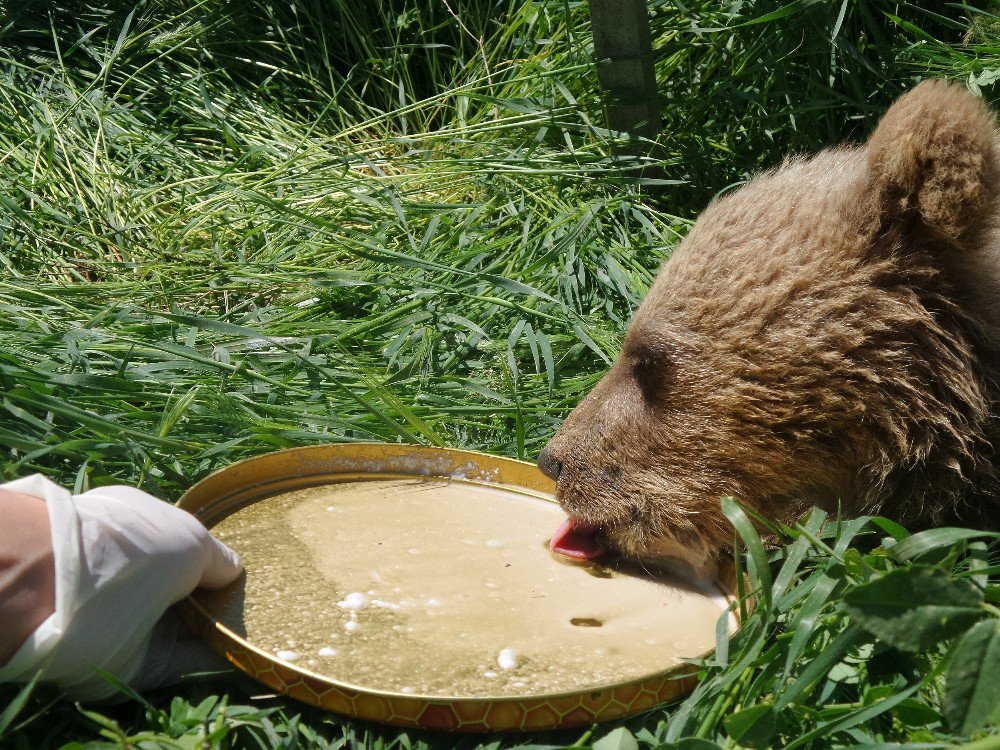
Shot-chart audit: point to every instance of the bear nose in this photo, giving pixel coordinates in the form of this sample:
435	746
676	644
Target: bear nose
549	464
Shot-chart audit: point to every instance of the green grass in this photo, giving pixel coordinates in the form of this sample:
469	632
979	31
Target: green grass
227	228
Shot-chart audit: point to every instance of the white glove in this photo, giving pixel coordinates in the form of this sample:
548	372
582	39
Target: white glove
122	557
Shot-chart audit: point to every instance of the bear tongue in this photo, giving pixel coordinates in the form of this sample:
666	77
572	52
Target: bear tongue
579	540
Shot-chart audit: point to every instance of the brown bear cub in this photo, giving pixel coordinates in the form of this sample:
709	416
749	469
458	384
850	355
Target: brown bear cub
829	335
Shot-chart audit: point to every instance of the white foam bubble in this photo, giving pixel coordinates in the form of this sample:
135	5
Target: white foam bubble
507	658
285	655
351	625
327	652
355	601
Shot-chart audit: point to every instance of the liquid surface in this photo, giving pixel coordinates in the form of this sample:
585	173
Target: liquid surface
446	588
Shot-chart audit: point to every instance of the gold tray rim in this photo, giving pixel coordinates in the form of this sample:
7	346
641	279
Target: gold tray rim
543	488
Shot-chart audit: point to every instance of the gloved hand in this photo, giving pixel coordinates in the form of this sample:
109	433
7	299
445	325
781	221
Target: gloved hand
122	557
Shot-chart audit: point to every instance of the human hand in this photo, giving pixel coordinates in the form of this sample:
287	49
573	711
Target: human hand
122	558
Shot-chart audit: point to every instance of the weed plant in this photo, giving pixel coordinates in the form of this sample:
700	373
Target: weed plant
228	228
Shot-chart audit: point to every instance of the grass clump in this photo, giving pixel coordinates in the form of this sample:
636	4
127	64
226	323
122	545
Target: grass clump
231	228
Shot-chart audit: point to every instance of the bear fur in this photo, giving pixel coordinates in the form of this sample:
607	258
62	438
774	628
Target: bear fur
828	334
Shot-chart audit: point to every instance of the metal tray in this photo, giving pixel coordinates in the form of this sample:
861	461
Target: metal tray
226	491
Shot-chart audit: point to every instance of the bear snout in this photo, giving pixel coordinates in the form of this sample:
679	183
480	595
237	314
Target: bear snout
549	465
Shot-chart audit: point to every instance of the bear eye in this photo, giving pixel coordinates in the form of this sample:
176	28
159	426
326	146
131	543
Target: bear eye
644	361
647	368
646	357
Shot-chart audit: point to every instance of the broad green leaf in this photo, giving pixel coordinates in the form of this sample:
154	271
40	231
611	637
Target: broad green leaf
979	561
916	713
914	608
617	739
972	685
752	727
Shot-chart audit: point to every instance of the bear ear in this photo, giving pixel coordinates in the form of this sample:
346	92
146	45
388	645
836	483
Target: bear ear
933	158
